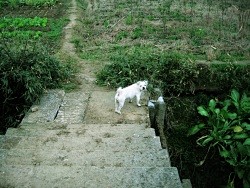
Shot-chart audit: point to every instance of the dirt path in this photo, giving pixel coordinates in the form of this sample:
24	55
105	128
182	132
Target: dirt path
100	104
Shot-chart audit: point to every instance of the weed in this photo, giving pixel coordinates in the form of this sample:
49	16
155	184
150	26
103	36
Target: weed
231	56
137	33
164	9
165	25
178	16
198	35
106	23
129	20
121	35
227	127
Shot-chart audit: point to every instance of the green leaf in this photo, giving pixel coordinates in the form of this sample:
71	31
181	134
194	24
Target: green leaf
231	162
227	137
235	96
212	104
232	115
226	104
207	140
245	103
224	153
240	147
202	111
217	111
237	129
247	142
240	172
240	136
200	140
246	126
196	129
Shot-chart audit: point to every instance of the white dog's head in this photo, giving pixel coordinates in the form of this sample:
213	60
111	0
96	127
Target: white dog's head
142	85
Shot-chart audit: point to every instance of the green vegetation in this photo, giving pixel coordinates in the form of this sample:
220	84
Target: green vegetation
16	3
47	30
207	30
27	70
227	128
19	27
186	85
28	65
176	74
16	23
160	41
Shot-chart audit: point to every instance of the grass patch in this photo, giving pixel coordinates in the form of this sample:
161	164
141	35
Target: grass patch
185	28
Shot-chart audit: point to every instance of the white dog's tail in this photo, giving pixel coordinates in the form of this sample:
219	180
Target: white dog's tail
119	91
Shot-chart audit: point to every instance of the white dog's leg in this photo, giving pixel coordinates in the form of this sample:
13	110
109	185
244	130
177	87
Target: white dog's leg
120	105
116	105
138	96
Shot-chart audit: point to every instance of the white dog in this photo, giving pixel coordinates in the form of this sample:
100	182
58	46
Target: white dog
129	92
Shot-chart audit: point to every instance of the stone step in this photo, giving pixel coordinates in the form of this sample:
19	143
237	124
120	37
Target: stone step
73	107
88	177
140	158
55	126
81	143
88	131
46	109
102	111
81	133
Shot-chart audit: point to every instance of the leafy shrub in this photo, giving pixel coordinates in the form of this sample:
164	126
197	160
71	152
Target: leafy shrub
169	71
223	77
130	65
27	69
174	73
227	127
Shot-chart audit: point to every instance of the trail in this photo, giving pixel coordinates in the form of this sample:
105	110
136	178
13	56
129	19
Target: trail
100	101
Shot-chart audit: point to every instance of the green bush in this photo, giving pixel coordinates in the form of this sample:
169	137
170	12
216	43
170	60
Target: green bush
174	73
27	69
227	127
170	71
129	66
222	78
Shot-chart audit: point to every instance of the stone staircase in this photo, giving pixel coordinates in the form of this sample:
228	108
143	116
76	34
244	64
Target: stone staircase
84	155
46	151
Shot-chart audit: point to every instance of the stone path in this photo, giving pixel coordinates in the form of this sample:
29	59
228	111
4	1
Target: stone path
76	140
